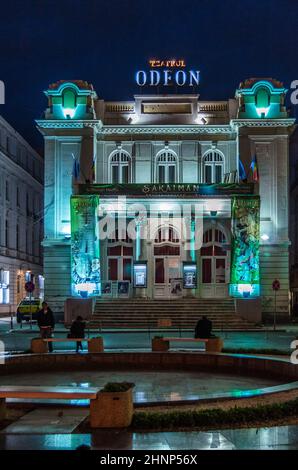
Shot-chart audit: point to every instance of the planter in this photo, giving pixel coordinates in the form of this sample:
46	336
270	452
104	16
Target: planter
214	345
38	346
112	410
95	345
159	345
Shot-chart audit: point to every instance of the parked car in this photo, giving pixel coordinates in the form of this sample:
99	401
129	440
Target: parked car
24	310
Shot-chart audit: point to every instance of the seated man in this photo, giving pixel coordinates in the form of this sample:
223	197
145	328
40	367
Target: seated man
203	328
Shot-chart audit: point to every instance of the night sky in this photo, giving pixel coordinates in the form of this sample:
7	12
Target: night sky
106	41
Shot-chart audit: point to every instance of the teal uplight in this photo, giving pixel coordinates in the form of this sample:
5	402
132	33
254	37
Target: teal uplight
69	113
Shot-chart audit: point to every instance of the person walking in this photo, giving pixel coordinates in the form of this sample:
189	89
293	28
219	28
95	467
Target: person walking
77	330
203	328
46	323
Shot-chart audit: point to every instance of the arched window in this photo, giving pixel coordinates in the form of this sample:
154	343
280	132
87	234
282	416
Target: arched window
262	98
167	242
166	167
120	167
213	166
69	98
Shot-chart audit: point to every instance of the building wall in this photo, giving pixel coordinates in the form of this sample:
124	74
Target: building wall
21	214
237	128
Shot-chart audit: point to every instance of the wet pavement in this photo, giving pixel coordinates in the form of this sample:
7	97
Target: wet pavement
273	438
153	386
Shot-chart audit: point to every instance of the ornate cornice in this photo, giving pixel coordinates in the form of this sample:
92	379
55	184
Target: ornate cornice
68	124
236	123
162	129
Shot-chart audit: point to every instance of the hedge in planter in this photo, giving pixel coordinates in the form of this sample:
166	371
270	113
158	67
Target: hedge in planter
213	417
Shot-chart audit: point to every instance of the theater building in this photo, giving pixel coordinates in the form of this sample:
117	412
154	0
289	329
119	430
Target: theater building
222	164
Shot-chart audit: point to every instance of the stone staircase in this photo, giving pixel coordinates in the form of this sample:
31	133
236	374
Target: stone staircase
184	313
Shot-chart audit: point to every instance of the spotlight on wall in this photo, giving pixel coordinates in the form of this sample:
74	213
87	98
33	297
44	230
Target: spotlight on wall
265	237
213	213
203	120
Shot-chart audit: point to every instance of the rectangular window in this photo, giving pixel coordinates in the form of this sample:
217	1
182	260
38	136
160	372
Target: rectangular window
208	174
4	287
127	269
6	234
125	174
7	190
220	271
115	174
218	173
206	271
161	174
18	197
159	271
17	237
113	269
172	174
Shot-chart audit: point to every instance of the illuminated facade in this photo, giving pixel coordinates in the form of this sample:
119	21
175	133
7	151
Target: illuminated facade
21	218
145	162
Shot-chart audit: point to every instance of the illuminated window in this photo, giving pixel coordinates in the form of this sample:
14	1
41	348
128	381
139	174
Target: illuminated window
4	287
213	165
262	98
120	167
69	99
166	167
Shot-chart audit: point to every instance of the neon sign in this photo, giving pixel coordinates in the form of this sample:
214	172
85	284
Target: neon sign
167	73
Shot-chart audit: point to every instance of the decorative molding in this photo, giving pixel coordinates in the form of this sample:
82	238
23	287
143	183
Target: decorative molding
162	129
236	123
68	124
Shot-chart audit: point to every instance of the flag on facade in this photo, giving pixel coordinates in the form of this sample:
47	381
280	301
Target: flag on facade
93	168
75	168
255	171
242	172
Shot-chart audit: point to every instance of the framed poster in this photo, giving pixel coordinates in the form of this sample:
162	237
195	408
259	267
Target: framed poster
106	289
140	274
123	288
189	275
176	287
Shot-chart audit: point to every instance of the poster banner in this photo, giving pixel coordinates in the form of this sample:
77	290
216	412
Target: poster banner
189	275
85	254
140	274
245	270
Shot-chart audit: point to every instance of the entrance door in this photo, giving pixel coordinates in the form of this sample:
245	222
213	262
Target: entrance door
167	268
214	265
119	269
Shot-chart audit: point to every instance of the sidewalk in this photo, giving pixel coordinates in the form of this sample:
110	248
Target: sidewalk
19	339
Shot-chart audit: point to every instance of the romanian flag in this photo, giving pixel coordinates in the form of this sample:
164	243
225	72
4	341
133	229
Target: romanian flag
242	172
255	171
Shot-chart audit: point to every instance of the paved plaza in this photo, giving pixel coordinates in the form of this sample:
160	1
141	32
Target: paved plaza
18	339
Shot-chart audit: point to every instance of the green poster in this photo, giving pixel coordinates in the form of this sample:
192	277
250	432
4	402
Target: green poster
245	270
85	255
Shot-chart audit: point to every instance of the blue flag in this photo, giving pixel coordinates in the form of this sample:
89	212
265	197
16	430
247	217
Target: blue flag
242	172
75	168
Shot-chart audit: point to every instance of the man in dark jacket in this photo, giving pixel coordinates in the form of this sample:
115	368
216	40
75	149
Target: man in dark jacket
77	330
46	323
203	328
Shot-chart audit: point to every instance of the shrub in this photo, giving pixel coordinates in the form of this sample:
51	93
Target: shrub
117	387
213	417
